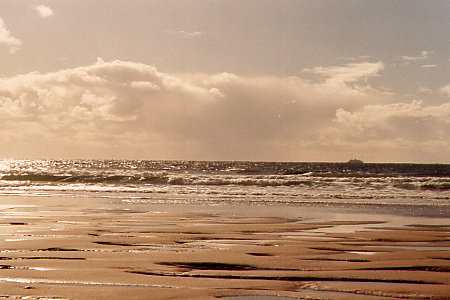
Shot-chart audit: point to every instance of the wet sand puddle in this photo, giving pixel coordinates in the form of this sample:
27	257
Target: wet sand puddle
258	298
80	283
416	248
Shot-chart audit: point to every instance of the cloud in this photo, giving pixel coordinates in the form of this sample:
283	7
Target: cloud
425	90
125	109
357	58
185	34
428	66
406	60
423	55
7	39
398	131
410	122
446	90
43	11
342	76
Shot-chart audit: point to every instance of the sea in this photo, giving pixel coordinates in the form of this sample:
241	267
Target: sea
417	187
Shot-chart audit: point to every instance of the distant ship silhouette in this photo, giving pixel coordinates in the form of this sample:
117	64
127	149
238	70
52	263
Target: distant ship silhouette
355	161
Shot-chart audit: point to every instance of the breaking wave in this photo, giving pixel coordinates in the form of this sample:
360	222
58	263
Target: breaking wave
230	179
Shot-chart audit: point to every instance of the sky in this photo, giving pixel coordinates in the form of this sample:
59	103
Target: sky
270	80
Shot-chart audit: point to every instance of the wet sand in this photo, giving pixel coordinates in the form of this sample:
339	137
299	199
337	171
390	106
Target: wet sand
87	248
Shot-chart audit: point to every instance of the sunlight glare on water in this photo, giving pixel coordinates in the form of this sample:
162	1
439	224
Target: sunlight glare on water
252	182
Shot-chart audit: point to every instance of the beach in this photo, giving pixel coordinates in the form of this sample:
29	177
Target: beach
227	150
103	248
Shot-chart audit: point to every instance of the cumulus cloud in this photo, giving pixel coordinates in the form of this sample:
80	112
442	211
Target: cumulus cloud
406	121
446	90
43	11
342	76
398	130
7	39
126	109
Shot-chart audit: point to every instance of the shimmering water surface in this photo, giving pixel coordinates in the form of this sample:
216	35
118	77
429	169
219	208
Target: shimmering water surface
267	182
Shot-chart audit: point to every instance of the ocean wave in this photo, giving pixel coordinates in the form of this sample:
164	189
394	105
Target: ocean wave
438	186
230	180
233	193
164	179
421	185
